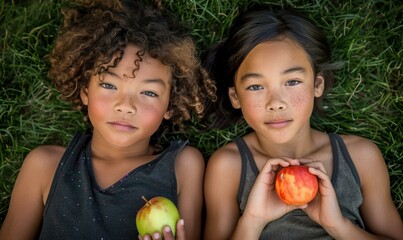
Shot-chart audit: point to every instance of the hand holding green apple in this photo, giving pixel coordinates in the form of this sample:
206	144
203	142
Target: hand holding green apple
156	214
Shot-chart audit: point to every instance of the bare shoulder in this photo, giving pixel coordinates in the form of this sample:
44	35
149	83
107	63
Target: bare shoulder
47	156
226	156
362	148
189	169
43	161
190	157
30	193
366	156
224	168
378	210
221	186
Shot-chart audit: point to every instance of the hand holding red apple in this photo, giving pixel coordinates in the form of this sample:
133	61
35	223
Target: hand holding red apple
324	209
263	203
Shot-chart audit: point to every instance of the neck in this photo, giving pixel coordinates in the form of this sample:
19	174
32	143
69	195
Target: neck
300	146
105	150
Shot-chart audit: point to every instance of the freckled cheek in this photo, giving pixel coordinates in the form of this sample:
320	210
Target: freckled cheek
252	108
302	100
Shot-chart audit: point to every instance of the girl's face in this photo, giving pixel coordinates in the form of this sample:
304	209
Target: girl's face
126	109
275	88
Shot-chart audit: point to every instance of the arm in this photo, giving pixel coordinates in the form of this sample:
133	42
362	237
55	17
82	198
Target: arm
378	211
263	204
221	186
24	217
189	168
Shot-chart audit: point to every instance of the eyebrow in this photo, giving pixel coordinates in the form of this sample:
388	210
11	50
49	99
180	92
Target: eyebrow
156	80
294	69
287	71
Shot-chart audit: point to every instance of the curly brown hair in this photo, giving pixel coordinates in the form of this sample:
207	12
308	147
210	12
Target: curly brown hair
94	32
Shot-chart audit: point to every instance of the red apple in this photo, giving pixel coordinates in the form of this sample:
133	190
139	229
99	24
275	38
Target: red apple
295	185
156	214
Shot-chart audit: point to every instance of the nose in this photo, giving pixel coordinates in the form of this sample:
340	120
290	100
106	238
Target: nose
275	103
125	105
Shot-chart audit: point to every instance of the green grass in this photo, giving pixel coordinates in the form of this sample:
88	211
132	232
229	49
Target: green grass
366	101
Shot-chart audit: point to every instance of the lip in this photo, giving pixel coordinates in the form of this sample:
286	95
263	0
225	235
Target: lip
122	126
278	123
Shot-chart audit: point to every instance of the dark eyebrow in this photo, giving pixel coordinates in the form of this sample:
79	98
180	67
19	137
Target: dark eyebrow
250	75
287	71
294	69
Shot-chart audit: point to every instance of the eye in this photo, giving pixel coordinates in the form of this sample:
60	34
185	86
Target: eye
292	82
107	86
150	94
254	87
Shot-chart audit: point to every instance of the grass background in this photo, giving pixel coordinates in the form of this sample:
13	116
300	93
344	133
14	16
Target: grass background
366	100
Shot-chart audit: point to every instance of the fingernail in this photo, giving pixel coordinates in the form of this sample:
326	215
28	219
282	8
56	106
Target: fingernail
181	222
156	236
167	229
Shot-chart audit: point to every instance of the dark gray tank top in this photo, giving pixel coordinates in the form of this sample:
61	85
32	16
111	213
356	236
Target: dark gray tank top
77	208
296	224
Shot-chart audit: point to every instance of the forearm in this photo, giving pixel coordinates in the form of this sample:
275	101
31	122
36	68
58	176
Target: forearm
247	228
348	230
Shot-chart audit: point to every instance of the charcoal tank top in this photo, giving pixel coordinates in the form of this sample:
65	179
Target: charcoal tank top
296	224
77	208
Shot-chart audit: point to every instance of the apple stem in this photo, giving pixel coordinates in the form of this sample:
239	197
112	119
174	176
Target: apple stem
145	199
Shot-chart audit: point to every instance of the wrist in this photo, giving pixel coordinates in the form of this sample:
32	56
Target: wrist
341	230
248	227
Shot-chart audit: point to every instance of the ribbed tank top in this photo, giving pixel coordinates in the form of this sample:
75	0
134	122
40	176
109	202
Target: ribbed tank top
296	224
77	208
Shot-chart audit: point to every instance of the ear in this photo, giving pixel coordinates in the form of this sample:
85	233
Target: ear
319	85
84	95
233	97
168	114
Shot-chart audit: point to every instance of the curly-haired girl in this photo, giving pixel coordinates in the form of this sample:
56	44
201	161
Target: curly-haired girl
130	69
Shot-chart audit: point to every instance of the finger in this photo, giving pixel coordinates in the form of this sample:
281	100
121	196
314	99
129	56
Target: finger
317	165
293	207
145	237
158	236
168	235
320	172
180	230
291	161
305	161
271	164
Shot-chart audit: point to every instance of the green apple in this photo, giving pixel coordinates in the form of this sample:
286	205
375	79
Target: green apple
155	214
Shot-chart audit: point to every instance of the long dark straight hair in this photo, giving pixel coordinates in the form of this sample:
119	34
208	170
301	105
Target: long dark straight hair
256	25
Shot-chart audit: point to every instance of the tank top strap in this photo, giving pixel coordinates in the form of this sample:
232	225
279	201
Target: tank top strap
336	157
75	146
248	168
337	142
72	151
